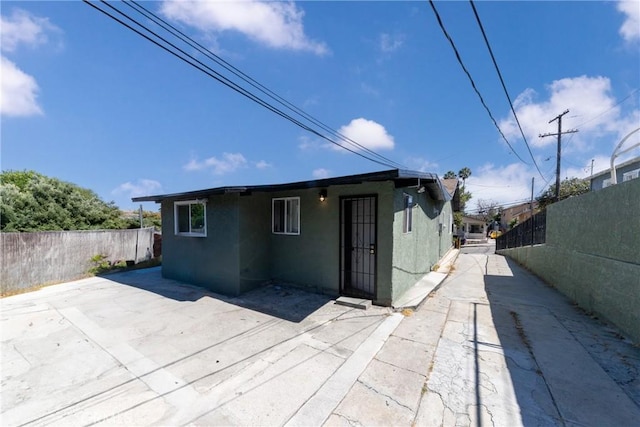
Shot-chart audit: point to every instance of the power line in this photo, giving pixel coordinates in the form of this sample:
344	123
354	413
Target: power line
611	108
229	67
199	65
602	113
504	87
473	84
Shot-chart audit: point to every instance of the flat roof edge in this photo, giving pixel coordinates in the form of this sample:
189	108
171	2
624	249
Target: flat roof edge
387	175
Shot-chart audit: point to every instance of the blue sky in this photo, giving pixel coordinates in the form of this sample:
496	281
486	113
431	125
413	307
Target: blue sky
86	100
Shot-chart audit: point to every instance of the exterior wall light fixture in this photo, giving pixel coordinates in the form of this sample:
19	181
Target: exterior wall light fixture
322	195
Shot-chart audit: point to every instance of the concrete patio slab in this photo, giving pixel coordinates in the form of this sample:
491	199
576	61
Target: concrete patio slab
492	345
137	349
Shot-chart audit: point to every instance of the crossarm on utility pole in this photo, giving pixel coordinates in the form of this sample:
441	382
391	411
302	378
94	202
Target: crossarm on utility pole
559	135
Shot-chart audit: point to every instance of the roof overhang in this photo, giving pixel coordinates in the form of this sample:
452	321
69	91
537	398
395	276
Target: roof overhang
401	178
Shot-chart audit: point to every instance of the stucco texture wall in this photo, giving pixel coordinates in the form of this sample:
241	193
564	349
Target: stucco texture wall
312	258
592	253
416	253
211	262
240	252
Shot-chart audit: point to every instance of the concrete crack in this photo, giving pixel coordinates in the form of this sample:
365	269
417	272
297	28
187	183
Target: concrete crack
386	396
350	421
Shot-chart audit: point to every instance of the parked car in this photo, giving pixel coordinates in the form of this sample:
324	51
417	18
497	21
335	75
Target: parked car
494	234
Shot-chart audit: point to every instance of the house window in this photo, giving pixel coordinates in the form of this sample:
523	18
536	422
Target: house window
190	218
628	176
286	215
606	183
408	214
475	228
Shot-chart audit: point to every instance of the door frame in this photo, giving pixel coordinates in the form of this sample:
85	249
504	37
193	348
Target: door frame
342	255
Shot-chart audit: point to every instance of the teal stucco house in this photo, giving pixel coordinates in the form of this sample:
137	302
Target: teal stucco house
371	235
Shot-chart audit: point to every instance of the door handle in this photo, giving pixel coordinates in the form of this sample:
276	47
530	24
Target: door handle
372	248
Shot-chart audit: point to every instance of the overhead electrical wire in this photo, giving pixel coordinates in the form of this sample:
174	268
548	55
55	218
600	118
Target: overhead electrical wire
181	54
610	108
229	67
473	84
506	205
504	87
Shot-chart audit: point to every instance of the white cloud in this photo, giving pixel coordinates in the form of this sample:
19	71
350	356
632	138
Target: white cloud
262	164
309	144
321	173
18	91
276	24
368	134
22	28
507	185
389	43
230	162
592	108
420	164
630	29
142	187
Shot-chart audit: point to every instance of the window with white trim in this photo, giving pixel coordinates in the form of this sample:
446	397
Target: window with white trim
285	215
190	218
407	223
628	176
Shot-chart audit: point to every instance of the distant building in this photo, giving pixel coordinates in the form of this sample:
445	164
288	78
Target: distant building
522	212
474	227
624	172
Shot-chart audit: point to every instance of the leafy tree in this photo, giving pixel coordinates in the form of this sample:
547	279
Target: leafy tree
149	219
464	173
465	196
569	187
450	175
30	201
489	210
457	218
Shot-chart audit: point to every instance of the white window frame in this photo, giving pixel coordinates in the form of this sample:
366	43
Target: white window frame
628	176
606	183
407	216
286	216
190	233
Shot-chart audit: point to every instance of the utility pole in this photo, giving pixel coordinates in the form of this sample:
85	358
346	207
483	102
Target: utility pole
559	134
531	219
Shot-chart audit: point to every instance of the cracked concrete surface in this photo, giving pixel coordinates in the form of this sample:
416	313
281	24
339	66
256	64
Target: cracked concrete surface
514	351
493	346
487	360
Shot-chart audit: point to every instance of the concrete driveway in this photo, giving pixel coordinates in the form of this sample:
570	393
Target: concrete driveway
136	349
492	346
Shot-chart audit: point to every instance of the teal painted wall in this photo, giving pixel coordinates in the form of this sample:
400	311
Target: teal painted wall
415	253
211	262
603	223
592	253
312	259
240	251
254	240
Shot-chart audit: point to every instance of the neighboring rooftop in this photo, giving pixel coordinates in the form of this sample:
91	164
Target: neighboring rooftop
618	166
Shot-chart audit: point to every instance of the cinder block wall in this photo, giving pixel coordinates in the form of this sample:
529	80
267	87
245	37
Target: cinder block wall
32	259
592	253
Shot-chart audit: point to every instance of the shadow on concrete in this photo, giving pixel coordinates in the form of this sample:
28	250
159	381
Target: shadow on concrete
518	295
279	300
507	294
